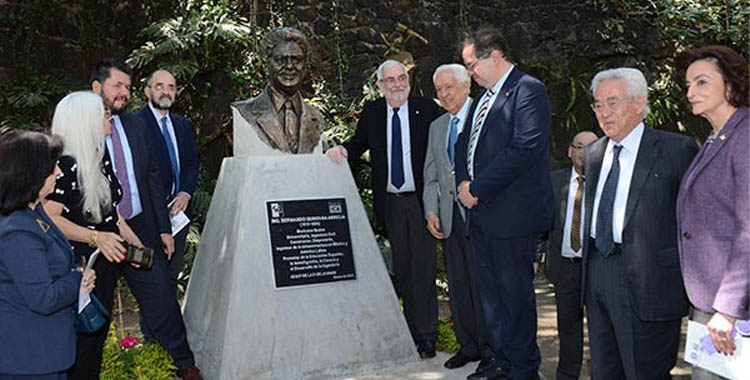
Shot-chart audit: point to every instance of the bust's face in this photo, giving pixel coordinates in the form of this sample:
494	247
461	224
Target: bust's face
287	67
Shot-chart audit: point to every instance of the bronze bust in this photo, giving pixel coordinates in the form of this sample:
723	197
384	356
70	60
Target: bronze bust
279	116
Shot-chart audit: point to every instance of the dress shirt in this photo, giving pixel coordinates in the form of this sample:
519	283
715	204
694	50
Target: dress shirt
172	135
134	195
403	115
567	250
461	115
496	88
628	155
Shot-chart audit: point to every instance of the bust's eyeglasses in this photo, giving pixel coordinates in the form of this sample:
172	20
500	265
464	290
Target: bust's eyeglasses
612	103
162	87
392	80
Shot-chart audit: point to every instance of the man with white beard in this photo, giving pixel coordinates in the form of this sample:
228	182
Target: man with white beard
394	129
174	145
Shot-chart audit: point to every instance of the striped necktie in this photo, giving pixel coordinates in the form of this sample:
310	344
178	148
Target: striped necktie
474	136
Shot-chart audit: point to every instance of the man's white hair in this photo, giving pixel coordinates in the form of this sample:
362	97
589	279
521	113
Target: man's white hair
634	81
79	119
459	72
388	64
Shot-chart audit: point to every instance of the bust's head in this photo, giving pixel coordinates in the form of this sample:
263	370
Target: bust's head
285	53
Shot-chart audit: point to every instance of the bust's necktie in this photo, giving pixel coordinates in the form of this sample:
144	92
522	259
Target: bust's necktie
452	136
575	223
172	156
126	203
290	125
397	152
605	242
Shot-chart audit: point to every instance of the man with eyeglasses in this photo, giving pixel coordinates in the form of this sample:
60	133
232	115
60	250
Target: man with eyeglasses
564	251
502	173
394	129
631	281
174	144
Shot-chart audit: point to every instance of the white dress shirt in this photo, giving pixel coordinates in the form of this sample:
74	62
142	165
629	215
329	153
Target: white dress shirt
567	250
403	115
134	194
496	88
628	155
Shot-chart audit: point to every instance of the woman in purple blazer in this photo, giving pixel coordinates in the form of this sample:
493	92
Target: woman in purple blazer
713	208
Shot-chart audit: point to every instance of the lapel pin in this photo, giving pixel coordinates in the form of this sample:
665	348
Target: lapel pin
722	137
507	93
44	226
416	112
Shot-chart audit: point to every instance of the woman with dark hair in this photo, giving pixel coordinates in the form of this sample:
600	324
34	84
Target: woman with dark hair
713	208
39	278
84	204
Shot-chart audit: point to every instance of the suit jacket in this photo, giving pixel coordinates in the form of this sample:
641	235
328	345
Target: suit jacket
188	157
155	215
511	162
649	235
260	113
371	134
38	294
713	212
560	183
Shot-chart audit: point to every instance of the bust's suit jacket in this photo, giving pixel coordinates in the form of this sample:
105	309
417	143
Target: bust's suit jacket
439	175
260	113
189	164
649	235
511	161
155	215
560	183
38	294
713	211
371	134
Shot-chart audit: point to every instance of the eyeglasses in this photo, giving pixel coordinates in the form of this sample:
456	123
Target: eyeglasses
574	146
611	103
471	66
163	87
391	80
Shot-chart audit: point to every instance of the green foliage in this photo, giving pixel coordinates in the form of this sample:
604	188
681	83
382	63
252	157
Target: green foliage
446	341
31	101
143	362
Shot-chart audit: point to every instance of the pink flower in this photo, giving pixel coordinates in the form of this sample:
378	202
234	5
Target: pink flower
128	342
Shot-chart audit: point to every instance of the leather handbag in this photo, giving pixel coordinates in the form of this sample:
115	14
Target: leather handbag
92	317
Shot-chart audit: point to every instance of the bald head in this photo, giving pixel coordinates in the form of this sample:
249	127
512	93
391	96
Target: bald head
575	150
161	90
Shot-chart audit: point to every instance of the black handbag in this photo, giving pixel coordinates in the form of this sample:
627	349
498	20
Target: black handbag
92	317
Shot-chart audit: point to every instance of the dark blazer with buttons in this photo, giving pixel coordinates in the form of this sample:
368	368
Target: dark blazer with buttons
511	161
649	235
38	294
371	134
560	183
188	157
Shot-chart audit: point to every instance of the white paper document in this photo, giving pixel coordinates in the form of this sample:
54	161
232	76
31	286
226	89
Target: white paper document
700	351
84	298
179	221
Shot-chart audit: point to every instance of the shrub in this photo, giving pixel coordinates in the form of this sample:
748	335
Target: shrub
128	359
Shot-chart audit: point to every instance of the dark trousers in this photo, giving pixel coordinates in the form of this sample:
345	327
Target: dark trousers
415	263
569	319
622	345
466	310
504	277
158	304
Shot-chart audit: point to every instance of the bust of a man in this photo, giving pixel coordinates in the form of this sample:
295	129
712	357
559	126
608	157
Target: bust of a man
278	116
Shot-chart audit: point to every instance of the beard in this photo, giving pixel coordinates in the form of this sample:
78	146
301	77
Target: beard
163	103
398	96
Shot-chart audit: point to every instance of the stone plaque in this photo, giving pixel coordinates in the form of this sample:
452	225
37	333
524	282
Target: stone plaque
310	241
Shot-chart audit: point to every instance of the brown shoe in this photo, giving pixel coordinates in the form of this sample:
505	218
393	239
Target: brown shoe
191	373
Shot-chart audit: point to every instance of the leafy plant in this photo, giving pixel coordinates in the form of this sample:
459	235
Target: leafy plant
127	359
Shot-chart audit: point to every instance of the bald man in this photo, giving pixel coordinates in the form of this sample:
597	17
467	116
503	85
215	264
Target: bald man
563	266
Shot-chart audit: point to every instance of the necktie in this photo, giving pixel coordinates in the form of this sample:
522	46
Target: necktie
172	155
575	223
126	203
452	136
604	236
397	155
474	136
290	125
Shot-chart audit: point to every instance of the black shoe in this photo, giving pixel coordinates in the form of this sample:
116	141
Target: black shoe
488	370
426	349
459	360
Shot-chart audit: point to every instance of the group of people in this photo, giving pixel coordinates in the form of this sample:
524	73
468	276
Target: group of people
104	181
642	221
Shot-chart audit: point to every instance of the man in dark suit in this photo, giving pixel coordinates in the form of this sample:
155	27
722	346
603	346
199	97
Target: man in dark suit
502	173
444	215
631	277
564	252
394	129
143	206
174	143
